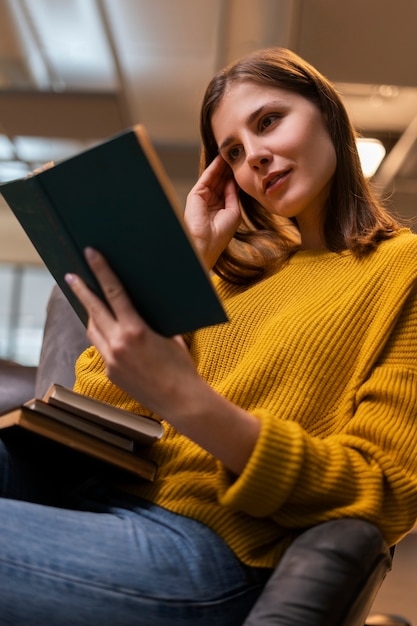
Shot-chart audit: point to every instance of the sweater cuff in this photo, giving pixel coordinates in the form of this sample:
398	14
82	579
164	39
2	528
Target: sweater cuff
270	473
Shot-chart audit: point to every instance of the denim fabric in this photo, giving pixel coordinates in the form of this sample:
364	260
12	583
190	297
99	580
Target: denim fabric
110	559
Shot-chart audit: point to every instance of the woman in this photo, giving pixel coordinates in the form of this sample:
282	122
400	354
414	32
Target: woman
299	410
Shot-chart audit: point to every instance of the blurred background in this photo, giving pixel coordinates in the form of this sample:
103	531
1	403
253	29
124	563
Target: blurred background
73	72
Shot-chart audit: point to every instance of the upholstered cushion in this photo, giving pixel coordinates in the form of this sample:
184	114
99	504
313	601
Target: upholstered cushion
64	340
17	384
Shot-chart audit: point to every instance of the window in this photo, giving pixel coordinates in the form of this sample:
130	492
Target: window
25	292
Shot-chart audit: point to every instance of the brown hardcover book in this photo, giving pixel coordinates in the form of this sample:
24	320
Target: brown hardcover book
141	428
79	423
29	419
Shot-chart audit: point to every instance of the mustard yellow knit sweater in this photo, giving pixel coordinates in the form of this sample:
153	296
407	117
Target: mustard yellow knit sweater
324	353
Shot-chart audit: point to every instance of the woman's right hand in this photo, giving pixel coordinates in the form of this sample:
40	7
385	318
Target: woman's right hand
212	213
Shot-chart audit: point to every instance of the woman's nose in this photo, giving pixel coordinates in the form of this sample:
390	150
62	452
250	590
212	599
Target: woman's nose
258	156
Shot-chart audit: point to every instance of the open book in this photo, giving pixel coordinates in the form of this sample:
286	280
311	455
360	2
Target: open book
117	198
90	426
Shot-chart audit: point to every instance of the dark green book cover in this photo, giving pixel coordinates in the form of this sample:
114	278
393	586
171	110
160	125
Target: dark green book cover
116	198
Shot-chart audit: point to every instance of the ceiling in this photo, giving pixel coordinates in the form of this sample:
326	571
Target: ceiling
80	70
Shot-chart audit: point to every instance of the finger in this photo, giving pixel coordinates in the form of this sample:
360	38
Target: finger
94	306
231	194
216	174
100	319
112	288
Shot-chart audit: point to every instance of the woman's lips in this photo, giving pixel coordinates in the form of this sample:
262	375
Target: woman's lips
274	181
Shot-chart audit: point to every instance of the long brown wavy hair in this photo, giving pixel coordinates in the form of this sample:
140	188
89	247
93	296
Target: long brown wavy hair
354	218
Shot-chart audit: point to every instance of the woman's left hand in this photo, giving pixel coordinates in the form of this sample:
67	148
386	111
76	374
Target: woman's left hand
149	367
159	372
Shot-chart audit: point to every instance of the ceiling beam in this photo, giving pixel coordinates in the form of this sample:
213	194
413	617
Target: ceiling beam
396	158
61	114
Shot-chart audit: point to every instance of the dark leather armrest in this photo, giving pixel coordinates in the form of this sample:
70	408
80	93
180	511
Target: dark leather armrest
17	384
329	576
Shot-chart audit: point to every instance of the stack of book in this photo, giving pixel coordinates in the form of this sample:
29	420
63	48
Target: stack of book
90	426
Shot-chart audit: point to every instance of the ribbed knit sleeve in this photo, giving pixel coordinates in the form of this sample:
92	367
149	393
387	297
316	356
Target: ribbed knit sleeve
364	461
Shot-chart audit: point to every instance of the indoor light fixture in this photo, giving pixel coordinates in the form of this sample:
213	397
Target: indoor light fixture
371	153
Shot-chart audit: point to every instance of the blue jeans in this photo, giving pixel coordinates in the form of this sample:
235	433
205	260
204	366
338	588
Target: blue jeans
107	558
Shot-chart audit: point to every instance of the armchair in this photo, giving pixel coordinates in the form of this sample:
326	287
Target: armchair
330	574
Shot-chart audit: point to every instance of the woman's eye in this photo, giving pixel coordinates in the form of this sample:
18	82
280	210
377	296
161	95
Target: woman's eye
268	120
233	154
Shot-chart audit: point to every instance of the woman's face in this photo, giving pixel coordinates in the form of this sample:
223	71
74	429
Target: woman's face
280	151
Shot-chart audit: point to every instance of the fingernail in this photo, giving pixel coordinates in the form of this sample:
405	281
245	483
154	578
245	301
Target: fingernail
70	279
90	254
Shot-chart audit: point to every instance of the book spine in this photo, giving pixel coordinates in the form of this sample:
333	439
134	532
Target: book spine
49	236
